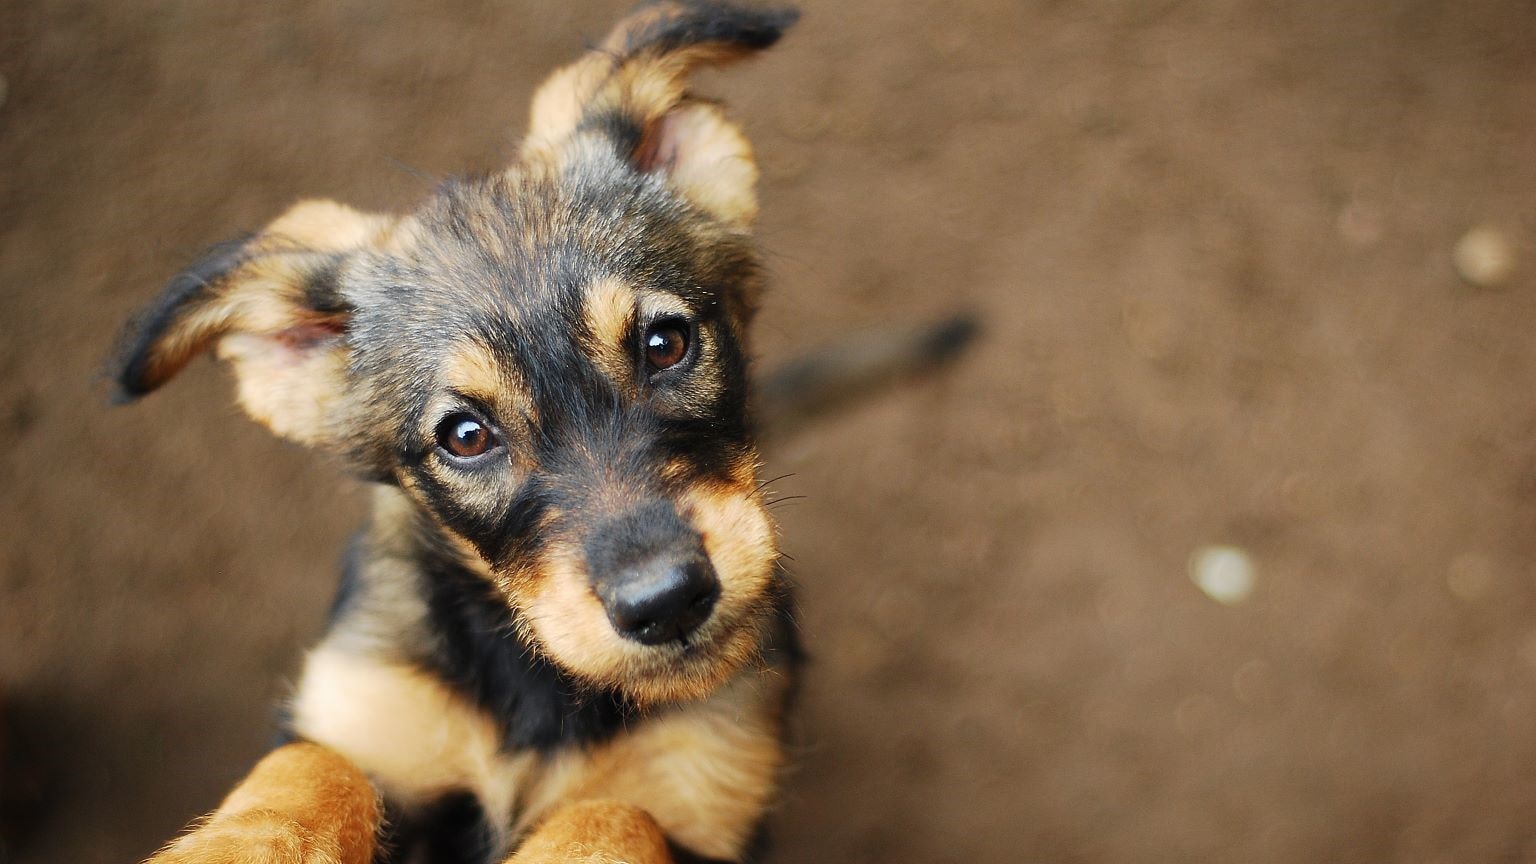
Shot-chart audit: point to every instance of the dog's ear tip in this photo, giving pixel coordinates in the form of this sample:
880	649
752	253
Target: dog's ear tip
774	20
768	24
123	380
124	372
125	390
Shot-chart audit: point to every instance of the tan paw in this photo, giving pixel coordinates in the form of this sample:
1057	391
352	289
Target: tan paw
596	832
253	837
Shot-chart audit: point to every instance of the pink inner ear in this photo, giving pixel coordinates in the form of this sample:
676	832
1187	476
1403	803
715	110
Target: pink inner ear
658	147
309	334
705	157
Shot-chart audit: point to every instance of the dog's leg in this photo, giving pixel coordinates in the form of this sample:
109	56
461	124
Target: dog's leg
595	832
302	804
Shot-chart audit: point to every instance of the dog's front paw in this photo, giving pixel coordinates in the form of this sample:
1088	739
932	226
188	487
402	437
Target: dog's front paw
595	832
253	837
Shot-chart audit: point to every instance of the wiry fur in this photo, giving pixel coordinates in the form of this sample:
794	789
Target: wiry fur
471	675
474	697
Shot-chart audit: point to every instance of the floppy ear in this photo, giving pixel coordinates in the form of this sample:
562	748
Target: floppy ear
269	304
632	91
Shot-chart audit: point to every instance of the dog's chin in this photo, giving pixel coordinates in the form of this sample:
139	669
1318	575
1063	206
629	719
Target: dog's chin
684	673
654	674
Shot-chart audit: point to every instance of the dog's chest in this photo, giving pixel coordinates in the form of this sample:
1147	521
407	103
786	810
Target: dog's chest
705	771
417	739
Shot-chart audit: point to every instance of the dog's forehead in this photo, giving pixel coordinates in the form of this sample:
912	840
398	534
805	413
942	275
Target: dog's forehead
528	244
527	275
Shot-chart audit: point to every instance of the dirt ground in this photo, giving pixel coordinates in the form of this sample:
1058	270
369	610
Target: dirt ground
1211	242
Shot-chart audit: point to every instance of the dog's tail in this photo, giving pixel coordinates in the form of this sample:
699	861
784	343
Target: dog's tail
627	84
852	370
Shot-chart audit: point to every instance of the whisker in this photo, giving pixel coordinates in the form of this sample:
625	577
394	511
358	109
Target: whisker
762	488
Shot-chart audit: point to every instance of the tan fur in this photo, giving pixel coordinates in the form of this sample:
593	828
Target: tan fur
264	295
656	304
303	804
609	311
560	102
566	618
471	368
253	312
295	394
414	736
706	157
261	296
712	164
329	226
596	832
706	771
738	536
700	766
648	83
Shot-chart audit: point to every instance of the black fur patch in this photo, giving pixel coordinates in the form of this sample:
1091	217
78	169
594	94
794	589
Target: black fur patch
322	291
451	830
478	652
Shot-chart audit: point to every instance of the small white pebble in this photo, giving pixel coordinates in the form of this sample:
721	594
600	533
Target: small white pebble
1224	573
1485	256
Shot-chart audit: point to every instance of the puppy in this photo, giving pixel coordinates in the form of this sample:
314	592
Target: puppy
563	633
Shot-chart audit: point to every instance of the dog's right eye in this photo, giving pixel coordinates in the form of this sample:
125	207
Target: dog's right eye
465	436
666	344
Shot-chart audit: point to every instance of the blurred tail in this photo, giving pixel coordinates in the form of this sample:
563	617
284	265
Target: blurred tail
854	370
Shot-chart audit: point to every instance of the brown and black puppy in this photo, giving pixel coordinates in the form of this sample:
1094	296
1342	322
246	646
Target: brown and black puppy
564	634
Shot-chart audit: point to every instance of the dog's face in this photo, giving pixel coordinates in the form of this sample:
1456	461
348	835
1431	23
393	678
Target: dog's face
549	361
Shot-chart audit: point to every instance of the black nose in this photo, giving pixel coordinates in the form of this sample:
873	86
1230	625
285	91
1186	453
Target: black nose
662	600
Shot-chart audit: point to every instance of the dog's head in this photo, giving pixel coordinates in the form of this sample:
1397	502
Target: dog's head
549	361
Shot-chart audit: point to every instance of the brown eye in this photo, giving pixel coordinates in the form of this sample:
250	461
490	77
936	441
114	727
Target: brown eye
464	436
666	344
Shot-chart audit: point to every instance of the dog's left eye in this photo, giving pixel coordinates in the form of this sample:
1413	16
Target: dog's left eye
666	343
464	436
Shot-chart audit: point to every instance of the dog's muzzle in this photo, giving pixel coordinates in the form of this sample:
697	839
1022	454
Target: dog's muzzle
650	570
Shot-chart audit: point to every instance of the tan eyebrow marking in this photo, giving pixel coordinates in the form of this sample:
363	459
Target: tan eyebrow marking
472	369
660	304
609	311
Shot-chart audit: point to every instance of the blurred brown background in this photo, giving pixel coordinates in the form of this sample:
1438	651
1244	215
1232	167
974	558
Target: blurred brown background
1212	244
